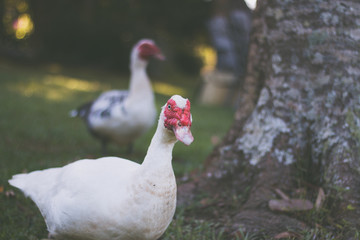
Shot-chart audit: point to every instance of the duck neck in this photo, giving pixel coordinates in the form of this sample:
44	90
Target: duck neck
159	153
140	86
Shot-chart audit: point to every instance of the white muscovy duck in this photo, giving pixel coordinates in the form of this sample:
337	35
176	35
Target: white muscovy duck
113	198
118	115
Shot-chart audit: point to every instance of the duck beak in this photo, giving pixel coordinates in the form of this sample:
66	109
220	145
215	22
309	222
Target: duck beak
159	56
183	134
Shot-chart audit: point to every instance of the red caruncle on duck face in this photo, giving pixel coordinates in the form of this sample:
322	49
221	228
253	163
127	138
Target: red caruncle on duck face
179	120
176	116
148	49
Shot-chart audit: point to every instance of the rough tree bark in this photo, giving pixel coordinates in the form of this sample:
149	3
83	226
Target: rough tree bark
298	126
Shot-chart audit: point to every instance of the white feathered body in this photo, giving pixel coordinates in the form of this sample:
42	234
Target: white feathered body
121	116
113	198
97	199
124	116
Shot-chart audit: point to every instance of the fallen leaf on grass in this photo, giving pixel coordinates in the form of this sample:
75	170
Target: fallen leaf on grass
240	234
290	205
282	194
205	202
215	140
287	235
1	189
318	225
320	199
9	193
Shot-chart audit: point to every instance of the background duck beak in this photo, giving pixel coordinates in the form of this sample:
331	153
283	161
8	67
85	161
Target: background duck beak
159	56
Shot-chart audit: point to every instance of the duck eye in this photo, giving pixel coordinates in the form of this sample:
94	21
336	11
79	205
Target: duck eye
169	107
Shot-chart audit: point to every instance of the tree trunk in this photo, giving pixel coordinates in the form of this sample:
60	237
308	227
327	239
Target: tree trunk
303	134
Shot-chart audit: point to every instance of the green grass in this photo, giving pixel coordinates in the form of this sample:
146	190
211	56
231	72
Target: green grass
182	228
36	133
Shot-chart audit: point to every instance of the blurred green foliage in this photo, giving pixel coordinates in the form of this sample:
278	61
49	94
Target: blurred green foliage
102	32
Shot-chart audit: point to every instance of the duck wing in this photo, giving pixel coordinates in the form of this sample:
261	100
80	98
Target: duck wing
104	105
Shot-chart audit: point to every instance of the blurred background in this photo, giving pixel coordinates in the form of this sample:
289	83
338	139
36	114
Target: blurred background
99	33
56	55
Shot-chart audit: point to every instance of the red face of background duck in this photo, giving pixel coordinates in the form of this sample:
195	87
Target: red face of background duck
179	120
148	49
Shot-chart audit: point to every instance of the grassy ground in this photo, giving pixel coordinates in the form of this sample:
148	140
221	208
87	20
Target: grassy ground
36	133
